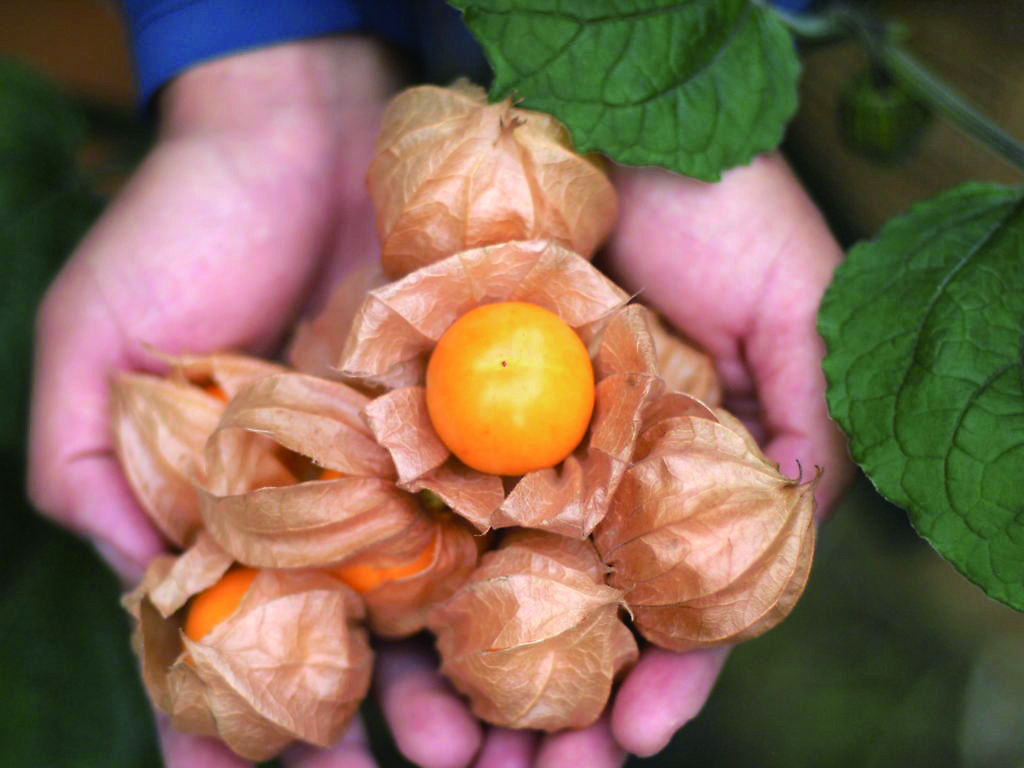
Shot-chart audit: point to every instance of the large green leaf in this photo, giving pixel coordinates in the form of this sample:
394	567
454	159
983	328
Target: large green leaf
697	87
924	328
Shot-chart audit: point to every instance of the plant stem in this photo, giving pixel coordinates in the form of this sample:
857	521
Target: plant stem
924	86
842	19
812	26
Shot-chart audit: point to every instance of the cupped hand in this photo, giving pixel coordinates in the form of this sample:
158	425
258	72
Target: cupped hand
254	186
250	202
739	267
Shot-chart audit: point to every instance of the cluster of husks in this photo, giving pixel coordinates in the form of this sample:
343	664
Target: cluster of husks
330	478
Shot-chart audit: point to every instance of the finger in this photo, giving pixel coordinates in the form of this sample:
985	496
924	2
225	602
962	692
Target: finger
185	750
593	747
431	725
105	511
505	748
663	692
791	387
353	751
699	252
784	353
73	475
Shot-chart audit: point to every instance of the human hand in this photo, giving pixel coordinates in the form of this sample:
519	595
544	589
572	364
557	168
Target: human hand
739	267
252	198
253	191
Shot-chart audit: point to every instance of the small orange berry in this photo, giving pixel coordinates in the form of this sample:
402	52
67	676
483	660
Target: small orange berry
215	390
211	606
510	388
363	578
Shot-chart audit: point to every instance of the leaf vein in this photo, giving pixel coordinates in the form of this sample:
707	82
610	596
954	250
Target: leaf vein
968	404
930	308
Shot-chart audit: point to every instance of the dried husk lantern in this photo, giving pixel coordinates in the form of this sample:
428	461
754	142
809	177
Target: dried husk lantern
291	663
401	581
160	425
451	172
534	638
340	499
709	542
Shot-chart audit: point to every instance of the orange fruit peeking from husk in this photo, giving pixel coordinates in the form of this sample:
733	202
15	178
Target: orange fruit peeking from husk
363	578
510	388
214	604
215	390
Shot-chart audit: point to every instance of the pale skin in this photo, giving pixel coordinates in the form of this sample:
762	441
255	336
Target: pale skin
249	207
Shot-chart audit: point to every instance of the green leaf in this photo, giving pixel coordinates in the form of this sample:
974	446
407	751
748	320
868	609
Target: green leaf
45	205
924	328
696	87
71	690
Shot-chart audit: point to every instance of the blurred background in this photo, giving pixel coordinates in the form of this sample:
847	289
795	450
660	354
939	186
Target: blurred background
891	658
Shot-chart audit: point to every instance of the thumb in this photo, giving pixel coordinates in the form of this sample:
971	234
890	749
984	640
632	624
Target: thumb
73	476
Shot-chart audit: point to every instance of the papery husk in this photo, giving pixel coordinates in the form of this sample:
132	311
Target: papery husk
318	342
400	422
452	172
291	663
399	325
312	522
534	638
570	499
472	495
227	371
573	498
160	426
171	580
398	607
684	368
709	541
313	417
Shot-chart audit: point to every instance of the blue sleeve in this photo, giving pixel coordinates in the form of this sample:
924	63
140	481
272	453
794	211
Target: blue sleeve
169	36
795	6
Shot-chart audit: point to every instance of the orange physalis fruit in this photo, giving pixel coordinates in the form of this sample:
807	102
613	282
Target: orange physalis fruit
215	390
510	388
363	578
210	607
